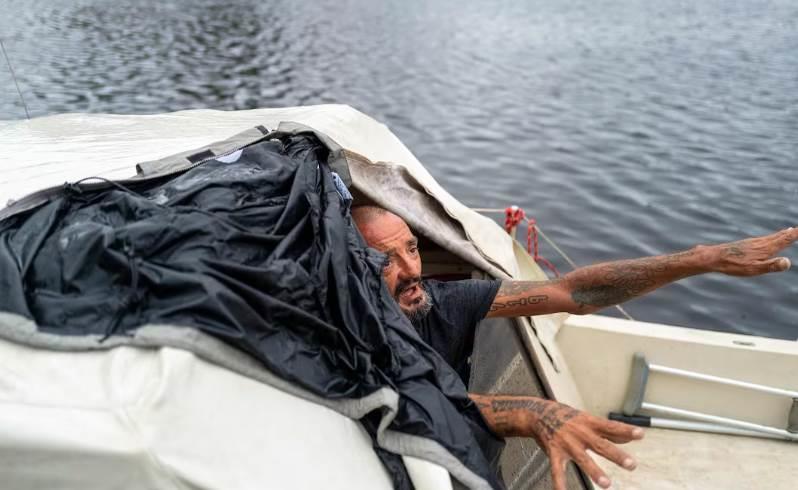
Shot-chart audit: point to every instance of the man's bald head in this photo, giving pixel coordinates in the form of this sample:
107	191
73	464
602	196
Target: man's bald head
367	213
389	234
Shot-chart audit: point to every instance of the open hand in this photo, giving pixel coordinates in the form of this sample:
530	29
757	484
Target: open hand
753	256
564	433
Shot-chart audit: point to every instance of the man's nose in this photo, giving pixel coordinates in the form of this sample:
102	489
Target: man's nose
409	267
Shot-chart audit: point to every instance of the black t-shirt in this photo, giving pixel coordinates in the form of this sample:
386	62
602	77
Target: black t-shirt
450	326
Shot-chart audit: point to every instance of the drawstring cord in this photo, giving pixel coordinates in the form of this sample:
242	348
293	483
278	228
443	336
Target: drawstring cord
74	187
133	297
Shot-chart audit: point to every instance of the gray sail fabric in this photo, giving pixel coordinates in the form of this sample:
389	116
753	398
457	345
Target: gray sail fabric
260	253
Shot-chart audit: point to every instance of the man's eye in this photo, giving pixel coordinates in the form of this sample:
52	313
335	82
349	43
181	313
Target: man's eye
388	263
413	250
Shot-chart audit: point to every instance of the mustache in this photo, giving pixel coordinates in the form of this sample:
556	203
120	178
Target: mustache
406	284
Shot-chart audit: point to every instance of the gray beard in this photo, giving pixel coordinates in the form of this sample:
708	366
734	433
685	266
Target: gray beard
421	310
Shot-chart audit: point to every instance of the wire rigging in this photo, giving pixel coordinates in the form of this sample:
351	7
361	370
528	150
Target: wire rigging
14	77
513	217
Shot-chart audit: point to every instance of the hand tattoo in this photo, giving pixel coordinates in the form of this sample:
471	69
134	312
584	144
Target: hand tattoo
550	416
734	251
549	424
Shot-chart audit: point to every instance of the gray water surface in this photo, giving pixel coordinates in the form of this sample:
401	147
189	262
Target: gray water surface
626	127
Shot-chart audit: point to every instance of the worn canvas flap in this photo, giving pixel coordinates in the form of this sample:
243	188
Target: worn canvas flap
49	151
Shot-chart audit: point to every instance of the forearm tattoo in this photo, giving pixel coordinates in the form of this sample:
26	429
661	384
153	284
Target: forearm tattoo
529	300
621	281
512	289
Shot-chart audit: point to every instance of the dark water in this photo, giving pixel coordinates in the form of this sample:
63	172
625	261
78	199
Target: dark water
627	127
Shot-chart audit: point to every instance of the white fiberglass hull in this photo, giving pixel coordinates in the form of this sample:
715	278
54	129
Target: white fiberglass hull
583	361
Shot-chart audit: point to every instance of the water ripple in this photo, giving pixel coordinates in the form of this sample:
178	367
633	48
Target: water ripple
627	128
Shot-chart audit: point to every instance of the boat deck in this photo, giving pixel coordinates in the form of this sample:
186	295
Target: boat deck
675	459
672	459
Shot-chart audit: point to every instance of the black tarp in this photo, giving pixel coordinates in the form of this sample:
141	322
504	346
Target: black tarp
260	253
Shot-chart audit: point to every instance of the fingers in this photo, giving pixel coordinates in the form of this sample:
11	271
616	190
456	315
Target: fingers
779	264
774	241
593	434
782	239
790	235
613	453
786	238
784	234
591	468
618	432
558	471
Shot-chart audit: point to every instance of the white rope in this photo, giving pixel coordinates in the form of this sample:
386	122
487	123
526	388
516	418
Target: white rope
553	245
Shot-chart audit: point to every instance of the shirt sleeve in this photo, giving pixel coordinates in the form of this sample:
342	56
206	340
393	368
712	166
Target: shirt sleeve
470	300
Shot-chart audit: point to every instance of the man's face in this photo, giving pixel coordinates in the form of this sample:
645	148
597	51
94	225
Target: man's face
390	235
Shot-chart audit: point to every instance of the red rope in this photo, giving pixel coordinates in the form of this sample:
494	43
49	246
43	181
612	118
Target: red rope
513	216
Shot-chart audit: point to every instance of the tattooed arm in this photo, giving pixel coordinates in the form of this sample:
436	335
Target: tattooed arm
562	432
591	288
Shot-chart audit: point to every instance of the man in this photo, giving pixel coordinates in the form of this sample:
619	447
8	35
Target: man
446	315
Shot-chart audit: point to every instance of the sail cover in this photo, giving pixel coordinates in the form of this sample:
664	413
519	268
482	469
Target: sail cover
255	248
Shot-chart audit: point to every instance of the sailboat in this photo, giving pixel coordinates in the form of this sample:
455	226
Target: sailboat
722	408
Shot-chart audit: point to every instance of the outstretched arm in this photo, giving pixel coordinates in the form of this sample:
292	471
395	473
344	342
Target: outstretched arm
592	288
562	432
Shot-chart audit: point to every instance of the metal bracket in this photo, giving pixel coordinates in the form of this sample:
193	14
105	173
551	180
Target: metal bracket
636	390
690	420
792	419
